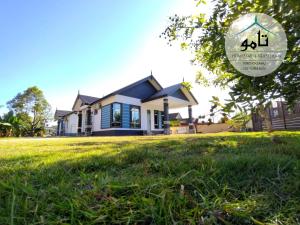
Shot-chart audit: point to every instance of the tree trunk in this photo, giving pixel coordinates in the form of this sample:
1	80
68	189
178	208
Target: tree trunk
32	130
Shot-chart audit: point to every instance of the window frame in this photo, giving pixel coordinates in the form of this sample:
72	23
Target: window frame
112	114
130	116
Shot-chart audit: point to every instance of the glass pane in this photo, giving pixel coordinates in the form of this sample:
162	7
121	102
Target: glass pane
116	114
135	117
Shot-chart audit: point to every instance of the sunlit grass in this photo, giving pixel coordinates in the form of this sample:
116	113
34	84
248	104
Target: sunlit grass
225	178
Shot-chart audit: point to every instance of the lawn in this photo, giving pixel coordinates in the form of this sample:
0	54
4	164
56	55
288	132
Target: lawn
229	178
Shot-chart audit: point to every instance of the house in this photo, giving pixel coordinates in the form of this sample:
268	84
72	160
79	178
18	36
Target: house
281	117
175	116
137	109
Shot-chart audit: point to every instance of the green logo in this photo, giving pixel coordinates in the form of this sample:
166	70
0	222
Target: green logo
256	44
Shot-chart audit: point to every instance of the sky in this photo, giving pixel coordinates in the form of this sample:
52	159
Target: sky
94	47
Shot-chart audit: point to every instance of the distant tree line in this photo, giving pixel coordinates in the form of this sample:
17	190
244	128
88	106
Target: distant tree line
28	114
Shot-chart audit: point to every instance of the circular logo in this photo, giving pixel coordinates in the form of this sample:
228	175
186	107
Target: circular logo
255	44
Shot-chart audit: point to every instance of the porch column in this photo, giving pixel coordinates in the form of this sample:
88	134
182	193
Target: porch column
166	117
191	124
58	127
62	128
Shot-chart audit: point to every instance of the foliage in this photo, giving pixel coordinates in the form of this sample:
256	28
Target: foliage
5	129
174	123
239	120
16	123
205	37
218	108
32	109
182	179
187	85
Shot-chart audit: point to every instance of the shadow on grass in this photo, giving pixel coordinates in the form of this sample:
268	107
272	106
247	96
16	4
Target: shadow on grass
201	180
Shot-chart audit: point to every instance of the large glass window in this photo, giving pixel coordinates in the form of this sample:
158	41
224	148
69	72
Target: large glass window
156	121
135	118
116	115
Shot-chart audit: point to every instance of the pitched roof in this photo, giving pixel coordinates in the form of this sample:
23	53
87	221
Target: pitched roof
61	113
174	116
168	91
164	92
148	78
88	99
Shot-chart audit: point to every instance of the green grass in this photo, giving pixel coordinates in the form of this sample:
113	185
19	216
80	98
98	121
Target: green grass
186	179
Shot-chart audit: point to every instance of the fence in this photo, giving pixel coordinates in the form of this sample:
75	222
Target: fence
282	118
203	128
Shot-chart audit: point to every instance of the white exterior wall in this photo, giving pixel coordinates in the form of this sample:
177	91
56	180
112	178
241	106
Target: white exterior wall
144	108
96	118
128	100
71	122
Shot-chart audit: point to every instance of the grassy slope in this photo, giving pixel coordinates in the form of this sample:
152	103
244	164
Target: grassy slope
190	179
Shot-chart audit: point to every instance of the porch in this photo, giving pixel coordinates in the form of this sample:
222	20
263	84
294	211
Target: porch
165	104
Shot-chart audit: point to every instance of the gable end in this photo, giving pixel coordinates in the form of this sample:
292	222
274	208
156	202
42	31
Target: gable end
179	94
140	91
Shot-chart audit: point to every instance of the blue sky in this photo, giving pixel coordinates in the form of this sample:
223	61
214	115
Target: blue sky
93	46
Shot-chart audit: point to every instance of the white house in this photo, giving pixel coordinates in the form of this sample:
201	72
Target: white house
137	109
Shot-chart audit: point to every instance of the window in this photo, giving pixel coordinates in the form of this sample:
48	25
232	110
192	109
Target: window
135	118
162	119
89	118
95	111
79	119
156	121
116	115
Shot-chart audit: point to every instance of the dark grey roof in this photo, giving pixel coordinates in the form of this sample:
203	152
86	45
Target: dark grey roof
88	99
173	116
61	113
164	92
167	92
151	77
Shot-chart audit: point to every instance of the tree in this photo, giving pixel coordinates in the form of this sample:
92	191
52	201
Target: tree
205	37
187	85
239	120
32	109
175	123
15	122
5	129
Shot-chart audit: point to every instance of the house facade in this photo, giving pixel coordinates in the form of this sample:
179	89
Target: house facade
137	109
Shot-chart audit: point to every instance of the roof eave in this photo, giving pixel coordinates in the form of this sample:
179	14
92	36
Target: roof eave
151	99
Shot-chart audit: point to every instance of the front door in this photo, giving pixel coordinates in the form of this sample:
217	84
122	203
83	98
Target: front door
148	122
